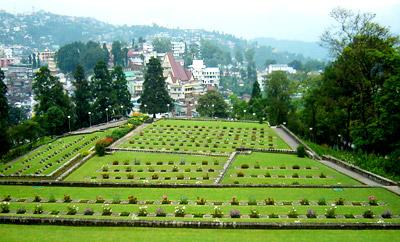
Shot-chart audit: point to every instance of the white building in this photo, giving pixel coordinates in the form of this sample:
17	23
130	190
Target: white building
178	48
148	47
209	76
280	67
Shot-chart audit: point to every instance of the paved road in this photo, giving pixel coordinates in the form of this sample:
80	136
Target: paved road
293	143
99	127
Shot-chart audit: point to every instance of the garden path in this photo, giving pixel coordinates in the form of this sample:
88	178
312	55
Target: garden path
294	143
94	128
127	137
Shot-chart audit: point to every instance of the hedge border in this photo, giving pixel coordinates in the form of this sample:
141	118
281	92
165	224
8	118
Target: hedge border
167	185
196	224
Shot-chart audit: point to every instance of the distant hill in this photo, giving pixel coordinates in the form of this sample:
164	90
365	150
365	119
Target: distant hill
307	49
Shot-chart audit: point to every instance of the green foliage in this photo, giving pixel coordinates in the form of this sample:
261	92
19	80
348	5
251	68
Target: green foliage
101	145
162	45
120	95
87	55
212	104
4	109
301	151
277	97
214	53
155	97
81	97
101	86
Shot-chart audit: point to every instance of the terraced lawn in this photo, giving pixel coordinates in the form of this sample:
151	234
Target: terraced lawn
42	233
205	136
271	168
200	203
140	167
49	157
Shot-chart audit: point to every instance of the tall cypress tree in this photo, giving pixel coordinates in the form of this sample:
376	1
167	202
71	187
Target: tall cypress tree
81	97
4	141
121	95
155	97
101	87
106	53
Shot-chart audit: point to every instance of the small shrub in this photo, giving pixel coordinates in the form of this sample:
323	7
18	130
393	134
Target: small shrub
183	200
234	201
387	214
54	212
105	176
257	166
107	211
128	169
88	211
206	177
142	211
175	169
7	198
180	211
21	210
38	209
321	201
204	162
368	214
311	213
301	151
252	201
5	207
37	199
322	175
130	176
180	177
165	200
372	201
72	210
99	199
154	176
101	145
273	215
293	213
217	212
67	199
295	167
269	201
295	175
116	200
201	201
160	212
339	201
244	166
132	199
304	201
330	212
124	214
349	215
234	213
254	213
267	174
240	174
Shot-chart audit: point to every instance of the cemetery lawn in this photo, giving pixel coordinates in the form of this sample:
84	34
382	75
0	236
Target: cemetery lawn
44	233
140	167
272	168
205	136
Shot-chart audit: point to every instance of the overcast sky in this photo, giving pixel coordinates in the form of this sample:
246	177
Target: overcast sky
282	19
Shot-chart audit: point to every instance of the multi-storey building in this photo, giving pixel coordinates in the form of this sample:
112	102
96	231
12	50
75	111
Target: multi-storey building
18	79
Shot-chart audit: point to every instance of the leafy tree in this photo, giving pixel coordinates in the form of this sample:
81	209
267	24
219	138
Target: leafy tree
121	95
212	104
255	103
238	107
277	97
4	109
81	97
162	45
214	54
239	55
17	114
101	86
53	104
25	132
155	97
296	64
117	53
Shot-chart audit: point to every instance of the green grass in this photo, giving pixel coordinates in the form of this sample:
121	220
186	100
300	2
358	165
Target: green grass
387	201
141	165
45	233
48	158
275	165
205	136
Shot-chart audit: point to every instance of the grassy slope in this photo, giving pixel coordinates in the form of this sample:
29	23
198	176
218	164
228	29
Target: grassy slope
266	160
64	233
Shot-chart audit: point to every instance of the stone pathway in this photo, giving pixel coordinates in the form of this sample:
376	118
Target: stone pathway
100	127
226	166
293	143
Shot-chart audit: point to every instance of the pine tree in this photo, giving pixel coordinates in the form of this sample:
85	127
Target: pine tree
106	53
101	87
81	97
117	53
4	139
121	95
155	97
